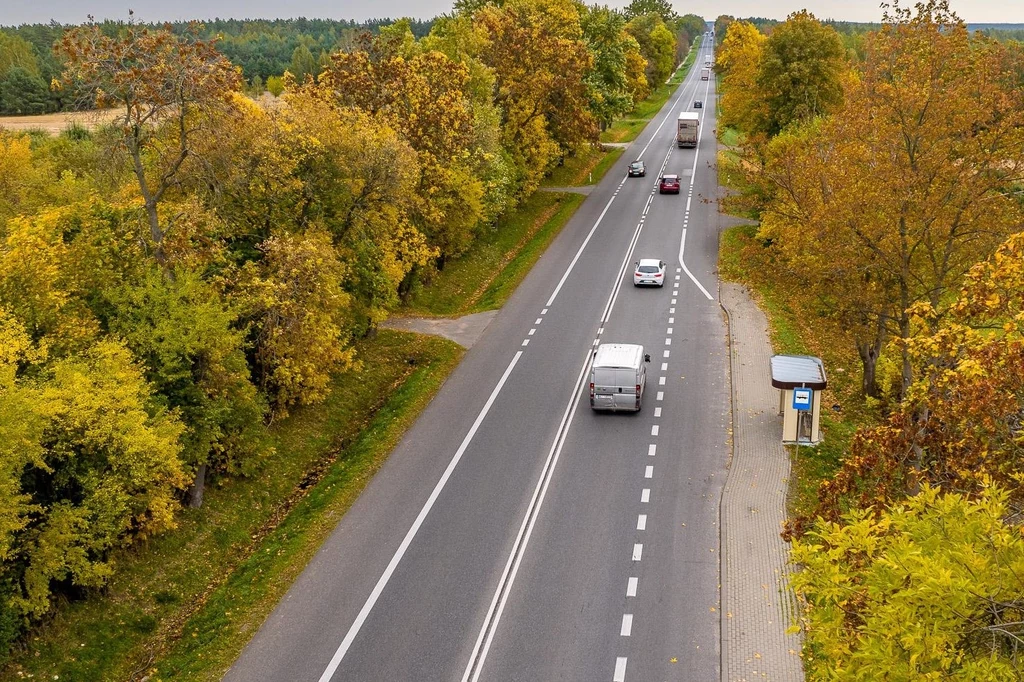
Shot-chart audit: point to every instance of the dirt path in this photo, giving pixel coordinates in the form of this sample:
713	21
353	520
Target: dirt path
463	330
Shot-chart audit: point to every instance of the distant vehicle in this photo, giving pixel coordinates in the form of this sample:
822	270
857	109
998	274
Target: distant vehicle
669	184
649	271
686	129
697	104
637	169
618	377
705	73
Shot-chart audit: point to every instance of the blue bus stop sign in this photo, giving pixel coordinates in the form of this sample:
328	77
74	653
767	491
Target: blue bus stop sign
802	399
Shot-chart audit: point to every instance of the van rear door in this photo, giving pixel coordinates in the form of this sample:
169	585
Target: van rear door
605	388
625	394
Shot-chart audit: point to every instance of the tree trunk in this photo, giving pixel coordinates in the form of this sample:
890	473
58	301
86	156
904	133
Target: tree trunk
869	351
195	491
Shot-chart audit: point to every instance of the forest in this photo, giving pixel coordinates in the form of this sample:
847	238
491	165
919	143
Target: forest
176	281
886	178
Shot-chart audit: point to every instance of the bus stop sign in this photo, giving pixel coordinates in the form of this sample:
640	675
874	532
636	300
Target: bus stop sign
802	398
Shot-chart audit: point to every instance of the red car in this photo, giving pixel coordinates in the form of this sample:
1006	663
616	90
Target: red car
669	184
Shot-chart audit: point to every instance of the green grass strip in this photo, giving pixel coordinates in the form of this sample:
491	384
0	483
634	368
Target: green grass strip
464	283
502	286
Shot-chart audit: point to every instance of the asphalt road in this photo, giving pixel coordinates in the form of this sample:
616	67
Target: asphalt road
516	535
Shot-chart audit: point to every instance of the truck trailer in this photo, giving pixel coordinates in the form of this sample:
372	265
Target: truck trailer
705	73
686	129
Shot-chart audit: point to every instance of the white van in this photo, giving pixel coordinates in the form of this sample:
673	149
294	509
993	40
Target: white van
618	377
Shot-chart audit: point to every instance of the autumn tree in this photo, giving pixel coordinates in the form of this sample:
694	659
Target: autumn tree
165	86
657	44
799	73
186	336
639	8
423	95
610	46
891	200
96	467
463	41
959	426
540	63
927	589
737	60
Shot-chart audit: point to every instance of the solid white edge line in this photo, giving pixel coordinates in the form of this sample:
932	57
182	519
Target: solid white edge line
682	246
400	552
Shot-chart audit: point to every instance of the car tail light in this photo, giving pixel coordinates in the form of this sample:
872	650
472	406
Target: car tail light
657	275
591	389
638	389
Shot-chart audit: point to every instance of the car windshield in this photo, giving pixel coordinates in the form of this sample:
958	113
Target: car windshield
648	268
636	164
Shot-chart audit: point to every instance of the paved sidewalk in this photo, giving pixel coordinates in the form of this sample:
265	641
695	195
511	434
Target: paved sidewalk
757	603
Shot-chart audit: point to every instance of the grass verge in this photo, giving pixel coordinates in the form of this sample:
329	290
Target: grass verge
483	278
185	604
583	169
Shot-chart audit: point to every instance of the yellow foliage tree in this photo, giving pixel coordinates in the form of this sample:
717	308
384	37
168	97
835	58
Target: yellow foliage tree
891	200
738	60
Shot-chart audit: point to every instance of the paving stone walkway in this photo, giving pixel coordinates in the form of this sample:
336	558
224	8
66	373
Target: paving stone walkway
757	602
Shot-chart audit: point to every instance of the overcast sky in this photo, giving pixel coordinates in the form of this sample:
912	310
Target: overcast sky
14	12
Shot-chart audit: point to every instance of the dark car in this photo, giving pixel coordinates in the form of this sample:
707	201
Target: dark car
637	169
669	184
697	104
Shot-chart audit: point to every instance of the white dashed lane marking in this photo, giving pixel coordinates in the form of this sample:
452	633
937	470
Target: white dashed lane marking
651	450
620	670
654	430
641	522
638	551
649	471
631	587
645	495
627	624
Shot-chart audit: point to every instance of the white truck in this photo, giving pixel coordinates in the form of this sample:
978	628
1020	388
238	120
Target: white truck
686	129
705	73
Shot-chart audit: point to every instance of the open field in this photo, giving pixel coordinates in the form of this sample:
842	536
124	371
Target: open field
55	123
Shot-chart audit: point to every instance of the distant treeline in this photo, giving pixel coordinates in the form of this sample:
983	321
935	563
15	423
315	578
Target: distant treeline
264	48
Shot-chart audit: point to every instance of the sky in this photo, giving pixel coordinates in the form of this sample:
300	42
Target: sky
14	12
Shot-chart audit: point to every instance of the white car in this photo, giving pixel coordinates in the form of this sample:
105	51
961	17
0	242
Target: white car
649	271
